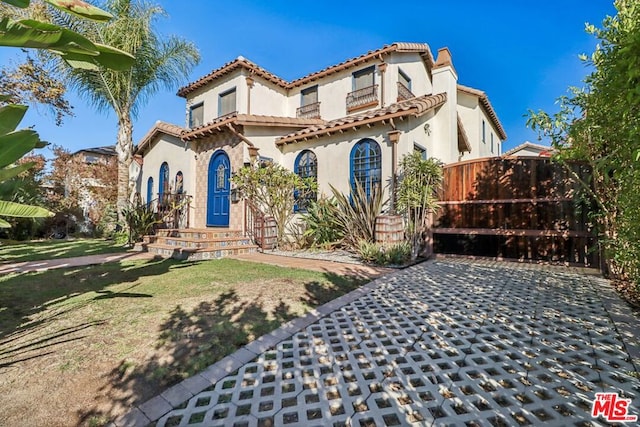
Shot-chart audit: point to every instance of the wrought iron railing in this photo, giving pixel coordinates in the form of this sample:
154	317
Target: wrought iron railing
404	92
362	97
260	228
172	210
309	111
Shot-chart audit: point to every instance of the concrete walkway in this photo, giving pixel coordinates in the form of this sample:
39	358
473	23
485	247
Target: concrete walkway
31	266
449	342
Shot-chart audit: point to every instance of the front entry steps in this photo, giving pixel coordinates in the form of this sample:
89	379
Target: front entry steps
198	244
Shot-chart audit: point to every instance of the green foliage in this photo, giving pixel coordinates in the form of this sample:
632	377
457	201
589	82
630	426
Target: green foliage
160	63
600	124
379	254
140	220
14	144
322	224
355	215
419	182
271	188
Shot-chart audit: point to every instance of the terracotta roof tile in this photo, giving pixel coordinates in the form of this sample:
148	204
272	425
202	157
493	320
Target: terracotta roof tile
220	123
240	62
421	48
229	67
157	129
484	101
415	106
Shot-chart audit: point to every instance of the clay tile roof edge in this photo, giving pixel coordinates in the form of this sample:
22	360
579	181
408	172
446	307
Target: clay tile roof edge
416	106
158	128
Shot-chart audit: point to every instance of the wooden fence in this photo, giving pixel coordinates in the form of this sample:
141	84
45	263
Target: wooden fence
527	208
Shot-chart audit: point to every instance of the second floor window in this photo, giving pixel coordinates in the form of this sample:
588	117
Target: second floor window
309	96
309	105
227	102
404	87
363	79
196	115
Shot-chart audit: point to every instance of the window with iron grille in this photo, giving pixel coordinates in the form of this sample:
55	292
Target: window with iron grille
306	166
366	165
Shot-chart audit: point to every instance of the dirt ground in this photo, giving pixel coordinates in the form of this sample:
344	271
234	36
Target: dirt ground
76	365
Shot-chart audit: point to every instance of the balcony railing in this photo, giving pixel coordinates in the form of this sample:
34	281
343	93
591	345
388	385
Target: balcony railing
362	98
404	92
309	111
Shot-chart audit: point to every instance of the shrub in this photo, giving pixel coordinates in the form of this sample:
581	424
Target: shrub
380	254
321	223
140	220
356	214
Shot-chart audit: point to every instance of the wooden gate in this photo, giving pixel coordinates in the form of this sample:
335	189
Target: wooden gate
527	208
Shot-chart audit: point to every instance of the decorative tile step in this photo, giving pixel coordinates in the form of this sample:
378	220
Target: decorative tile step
194	233
184	242
177	252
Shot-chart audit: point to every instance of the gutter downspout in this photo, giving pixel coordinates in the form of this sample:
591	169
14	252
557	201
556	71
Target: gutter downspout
394	137
250	83
383	68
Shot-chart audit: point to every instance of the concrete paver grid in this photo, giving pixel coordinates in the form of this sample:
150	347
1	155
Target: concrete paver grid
444	343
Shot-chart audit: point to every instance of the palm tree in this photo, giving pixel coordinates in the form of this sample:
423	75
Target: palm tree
159	63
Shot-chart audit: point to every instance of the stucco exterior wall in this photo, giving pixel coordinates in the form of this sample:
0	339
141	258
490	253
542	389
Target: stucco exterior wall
178	157
209	95
414	67
268	99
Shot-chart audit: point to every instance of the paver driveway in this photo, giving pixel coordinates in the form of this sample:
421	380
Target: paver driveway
448	342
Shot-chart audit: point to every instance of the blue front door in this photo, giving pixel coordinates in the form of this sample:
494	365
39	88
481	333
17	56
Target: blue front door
218	190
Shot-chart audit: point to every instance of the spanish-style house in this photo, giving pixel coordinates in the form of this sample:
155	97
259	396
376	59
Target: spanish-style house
349	122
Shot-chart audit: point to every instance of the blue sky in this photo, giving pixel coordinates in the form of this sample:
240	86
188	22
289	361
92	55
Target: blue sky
522	54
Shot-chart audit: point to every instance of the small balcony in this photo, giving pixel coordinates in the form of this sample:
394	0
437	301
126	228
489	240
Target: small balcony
404	93
362	98
309	111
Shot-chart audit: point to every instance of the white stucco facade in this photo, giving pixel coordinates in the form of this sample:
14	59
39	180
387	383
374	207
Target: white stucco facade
428	112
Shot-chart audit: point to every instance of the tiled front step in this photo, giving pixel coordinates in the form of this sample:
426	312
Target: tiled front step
194	254
217	243
200	233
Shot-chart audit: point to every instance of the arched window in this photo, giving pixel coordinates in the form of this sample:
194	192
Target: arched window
366	165
179	183
149	191
163	182
306	166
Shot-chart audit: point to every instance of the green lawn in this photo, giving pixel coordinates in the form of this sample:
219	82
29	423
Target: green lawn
50	249
101	338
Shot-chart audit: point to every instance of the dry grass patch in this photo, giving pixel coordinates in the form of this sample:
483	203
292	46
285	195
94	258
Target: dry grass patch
80	346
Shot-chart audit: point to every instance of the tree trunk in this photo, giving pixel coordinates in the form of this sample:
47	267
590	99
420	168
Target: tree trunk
124	148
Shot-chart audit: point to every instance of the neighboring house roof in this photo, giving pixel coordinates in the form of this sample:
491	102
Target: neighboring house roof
220	124
415	106
543	150
484	101
158	129
240	62
109	150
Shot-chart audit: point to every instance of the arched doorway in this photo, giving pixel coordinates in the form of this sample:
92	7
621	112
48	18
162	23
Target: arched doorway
149	191
218	187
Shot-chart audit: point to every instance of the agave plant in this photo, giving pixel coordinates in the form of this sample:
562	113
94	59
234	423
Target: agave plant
356	214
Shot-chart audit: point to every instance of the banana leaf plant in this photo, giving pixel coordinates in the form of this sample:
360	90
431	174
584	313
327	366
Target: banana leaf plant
13	145
75	49
78	52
